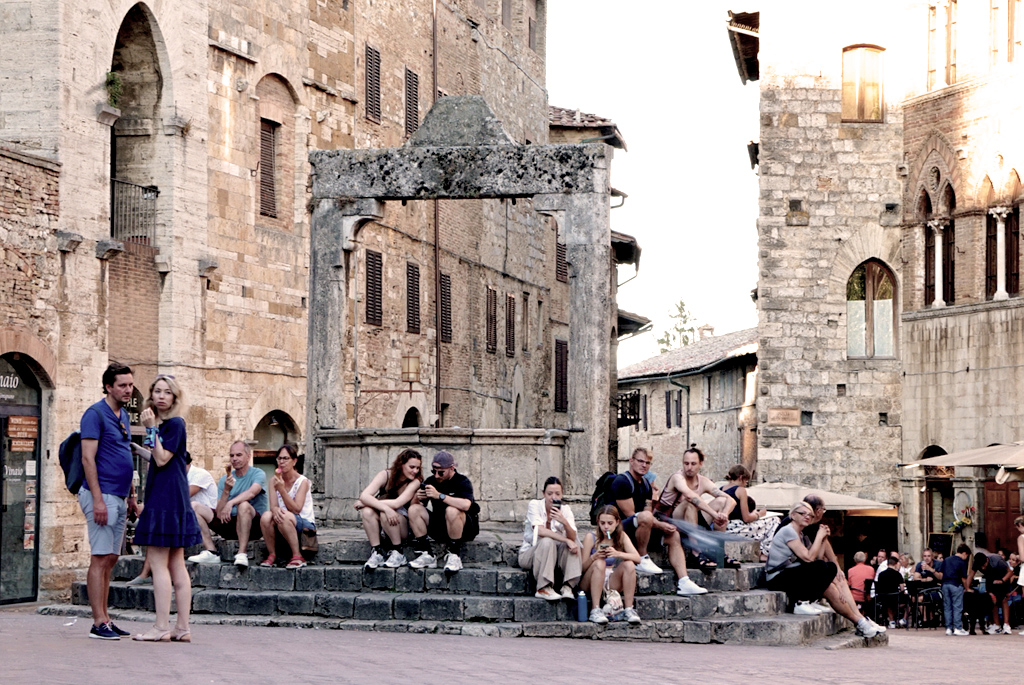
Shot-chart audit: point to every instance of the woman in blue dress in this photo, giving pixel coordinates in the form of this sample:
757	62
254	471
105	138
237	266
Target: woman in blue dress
168	523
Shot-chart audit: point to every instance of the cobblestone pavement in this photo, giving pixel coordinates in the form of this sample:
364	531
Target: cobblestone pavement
36	648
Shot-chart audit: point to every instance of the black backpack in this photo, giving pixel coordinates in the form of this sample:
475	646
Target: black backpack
71	461
603	494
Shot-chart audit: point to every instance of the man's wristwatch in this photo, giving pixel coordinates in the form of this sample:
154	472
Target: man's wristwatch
441	497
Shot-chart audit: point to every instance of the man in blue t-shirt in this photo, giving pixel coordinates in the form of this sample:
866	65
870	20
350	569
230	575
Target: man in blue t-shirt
243	498
953	575
108	493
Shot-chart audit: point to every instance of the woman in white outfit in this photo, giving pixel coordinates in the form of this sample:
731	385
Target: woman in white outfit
550	548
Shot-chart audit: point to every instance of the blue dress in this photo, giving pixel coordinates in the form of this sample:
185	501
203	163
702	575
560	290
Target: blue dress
168	519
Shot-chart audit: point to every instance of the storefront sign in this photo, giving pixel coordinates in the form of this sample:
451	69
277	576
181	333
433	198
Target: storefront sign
23	445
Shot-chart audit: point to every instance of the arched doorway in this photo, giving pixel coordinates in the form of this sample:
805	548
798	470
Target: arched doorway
412	418
20	418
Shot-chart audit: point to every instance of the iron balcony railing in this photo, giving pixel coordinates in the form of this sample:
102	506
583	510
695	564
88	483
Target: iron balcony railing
133	212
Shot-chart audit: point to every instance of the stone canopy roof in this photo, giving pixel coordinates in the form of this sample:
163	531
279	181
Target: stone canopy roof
712	349
561	117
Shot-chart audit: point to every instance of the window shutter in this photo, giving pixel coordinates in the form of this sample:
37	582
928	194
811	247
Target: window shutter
374	309
1013	251
268	195
412	297
372	84
990	256
679	408
446	308
949	262
929	266
506	13
492	320
643	410
561	375
668	409
510	325
526	322
412	102
561	266
532	35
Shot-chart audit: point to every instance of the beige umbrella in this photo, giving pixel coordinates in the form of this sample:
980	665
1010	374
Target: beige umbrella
782	496
1009	457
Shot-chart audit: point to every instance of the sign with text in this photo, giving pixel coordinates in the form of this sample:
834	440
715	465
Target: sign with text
784	417
23	445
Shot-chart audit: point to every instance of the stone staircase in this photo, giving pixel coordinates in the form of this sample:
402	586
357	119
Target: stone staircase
490	596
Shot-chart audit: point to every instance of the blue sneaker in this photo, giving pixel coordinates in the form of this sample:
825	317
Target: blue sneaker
103	632
117	631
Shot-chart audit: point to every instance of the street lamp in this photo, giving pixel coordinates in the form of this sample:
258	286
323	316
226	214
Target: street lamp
410	369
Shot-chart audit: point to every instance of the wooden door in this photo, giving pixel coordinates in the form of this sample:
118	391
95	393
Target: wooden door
1002	505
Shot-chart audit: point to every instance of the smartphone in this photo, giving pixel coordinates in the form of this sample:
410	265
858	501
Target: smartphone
556	504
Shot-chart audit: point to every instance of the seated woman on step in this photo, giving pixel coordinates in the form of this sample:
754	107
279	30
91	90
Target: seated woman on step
609	563
382	505
794	567
291	508
744	518
549	546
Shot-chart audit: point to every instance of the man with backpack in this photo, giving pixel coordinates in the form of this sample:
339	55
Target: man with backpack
108	493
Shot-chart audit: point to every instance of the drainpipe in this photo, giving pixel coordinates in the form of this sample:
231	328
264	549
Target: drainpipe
437	255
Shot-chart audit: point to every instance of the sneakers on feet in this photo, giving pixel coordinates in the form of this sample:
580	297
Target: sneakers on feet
685	586
960	632
648	567
375	560
630	615
242	559
452	563
867	629
823	607
949	631
395	559
1007	630
993	630
892	624
424	560
117	631
805	609
596	616
137	580
103	632
205	557
547	593
567	592
877	627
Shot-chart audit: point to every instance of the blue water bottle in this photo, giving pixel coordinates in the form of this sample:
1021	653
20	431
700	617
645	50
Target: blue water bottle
581	607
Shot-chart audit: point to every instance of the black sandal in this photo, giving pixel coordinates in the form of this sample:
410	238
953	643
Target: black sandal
731	563
704	562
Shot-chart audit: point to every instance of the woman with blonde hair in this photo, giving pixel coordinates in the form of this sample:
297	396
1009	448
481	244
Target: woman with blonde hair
167	524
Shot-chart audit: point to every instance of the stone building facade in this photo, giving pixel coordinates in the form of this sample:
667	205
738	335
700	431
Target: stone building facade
703	394
175	139
888	251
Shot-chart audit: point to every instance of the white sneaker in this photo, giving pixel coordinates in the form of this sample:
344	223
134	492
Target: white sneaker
867	630
631	616
547	593
242	559
993	630
877	627
375	560
1007	630
949	631
805	609
823	607
567	592
1021	632
205	557
424	560
685	586
452	563
960	632
648	567
395	559
598	616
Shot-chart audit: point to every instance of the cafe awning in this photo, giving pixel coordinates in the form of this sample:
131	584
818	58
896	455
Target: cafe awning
782	496
1009	458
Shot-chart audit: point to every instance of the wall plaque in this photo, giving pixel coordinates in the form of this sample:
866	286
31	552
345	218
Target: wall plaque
784	417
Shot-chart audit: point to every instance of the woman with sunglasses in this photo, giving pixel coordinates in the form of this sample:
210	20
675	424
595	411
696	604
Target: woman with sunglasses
291	510
383	505
167	524
794	567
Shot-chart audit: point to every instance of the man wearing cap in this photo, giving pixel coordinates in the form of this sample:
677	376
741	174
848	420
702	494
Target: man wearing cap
452	518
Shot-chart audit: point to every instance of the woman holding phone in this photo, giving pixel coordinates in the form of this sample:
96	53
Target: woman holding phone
609	562
549	548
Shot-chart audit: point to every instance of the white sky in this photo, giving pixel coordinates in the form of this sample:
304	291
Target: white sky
663	71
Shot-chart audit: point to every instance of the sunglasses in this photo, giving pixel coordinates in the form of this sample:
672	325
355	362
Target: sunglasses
436	471
124	431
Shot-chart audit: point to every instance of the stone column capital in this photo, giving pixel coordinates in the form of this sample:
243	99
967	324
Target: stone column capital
937	225
999	213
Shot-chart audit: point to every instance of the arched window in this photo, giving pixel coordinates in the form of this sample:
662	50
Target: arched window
949	247
925	212
871	311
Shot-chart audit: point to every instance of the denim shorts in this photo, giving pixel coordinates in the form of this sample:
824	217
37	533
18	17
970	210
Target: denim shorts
105	539
302	524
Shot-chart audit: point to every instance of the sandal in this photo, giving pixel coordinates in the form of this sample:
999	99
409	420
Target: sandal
731	563
296	562
153	635
269	561
181	636
704	562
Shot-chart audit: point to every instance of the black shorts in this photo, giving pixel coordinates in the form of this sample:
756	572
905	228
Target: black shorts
808	581
437	527
229	530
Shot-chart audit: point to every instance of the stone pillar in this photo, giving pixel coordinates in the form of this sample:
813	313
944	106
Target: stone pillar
937	225
587	233
333	226
1000	214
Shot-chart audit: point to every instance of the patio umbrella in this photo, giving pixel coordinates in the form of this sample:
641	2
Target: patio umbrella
1010	457
782	496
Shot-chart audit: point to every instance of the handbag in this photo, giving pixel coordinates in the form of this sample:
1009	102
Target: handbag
308	541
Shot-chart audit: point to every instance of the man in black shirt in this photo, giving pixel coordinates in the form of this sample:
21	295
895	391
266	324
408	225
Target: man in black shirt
889	589
452	518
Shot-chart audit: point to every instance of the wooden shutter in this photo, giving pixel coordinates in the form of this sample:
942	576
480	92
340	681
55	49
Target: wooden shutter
929	266
372	84
412	102
561	266
990	256
492	320
412	297
374	268
561	375
525	330
446	308
268	194
949	263
510	325
668	409
506	13
643	411
1013	251
679	408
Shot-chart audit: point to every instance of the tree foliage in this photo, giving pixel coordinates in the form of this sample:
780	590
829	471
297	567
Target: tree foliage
682	331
